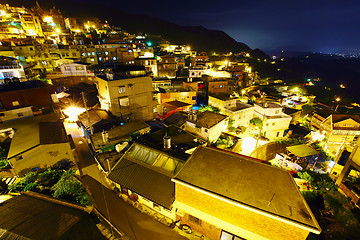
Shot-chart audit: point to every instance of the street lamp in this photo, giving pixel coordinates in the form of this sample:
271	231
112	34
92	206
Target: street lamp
338	99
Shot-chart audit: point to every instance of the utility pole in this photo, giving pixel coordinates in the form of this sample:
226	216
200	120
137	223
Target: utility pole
87	112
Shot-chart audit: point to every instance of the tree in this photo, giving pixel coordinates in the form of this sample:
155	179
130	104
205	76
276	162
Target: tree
257	122
307	109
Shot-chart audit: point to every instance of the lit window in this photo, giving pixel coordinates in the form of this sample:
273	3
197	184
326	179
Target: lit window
106	53
89	53
114	58
93	53
15	103
121	89
100	58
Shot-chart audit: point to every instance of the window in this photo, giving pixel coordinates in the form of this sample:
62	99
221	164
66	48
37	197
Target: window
195	220
277	134
15	103
89	53
277	112
124	102
121	89
83	54
114	58
53	153
17	158
221	86
100	58
20	114
273	124
67	68
31	49
93	53
79	68
106	53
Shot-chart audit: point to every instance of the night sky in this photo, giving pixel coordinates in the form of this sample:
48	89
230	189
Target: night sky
307	25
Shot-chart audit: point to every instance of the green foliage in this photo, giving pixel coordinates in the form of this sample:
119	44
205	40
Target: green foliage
227	141
257	122
60	184
49	177
289	141
310	196
318	181
306	176
209	108
4	164
68	187
20	186
232	129
307	109
31	187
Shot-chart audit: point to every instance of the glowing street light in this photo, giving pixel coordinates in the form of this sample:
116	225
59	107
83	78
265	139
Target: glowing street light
48	19
73	113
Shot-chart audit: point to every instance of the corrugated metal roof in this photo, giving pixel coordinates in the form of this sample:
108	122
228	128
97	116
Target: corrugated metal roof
260	186
302	150
146	182
25	217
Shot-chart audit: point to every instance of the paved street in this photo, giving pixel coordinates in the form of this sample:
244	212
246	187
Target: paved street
136	225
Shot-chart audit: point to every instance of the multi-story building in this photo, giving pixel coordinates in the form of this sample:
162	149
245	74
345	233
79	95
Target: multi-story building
274	121
9	69
174	93
208	125
338	128
167	67
240	113
149	64
127	93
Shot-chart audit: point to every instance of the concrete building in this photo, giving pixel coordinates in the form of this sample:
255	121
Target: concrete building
338	128
127	93
225	196
167	67
274	121
207	125
175	93
37	145
241	113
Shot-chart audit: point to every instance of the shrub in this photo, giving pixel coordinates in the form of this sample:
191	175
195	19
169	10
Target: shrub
31	187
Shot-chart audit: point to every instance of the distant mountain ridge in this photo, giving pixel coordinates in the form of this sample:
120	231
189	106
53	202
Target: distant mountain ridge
198	37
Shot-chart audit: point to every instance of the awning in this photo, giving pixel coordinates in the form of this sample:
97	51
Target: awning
302	150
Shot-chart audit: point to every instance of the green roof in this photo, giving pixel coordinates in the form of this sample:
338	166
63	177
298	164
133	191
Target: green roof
302	150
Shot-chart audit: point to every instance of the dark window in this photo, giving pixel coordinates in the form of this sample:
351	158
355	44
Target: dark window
20	114
195	220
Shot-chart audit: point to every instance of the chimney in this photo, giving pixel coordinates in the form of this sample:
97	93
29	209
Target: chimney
167	142
105	136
